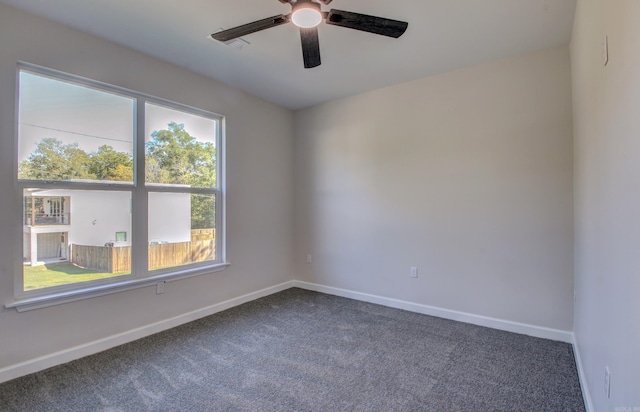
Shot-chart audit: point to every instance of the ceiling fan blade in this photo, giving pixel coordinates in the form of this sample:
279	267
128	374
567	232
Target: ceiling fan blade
325	2
363	22
249	28
310	47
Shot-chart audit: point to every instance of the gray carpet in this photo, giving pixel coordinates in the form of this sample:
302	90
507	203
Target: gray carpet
305	351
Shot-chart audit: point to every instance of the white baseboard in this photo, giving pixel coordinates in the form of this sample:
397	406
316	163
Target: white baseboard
506	325
67	355
586	395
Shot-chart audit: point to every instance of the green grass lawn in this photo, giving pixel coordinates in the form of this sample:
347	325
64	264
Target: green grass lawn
55	274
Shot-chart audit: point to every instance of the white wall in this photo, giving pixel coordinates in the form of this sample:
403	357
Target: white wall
259	183
466	175
97	216
607	198
169	217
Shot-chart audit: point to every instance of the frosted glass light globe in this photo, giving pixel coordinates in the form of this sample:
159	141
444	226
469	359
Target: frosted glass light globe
306	17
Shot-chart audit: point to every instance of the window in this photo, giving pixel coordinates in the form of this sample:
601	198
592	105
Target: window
96	162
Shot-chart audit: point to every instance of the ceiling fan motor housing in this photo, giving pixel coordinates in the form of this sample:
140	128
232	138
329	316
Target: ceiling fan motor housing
306	14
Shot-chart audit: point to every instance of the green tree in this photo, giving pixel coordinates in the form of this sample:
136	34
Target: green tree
202	211
107	164
181	158
122	173
54	160
154	173
175	157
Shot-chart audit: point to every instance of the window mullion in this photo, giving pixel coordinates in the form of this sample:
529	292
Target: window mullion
139	222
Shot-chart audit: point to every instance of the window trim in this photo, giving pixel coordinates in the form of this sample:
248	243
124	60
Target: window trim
140	275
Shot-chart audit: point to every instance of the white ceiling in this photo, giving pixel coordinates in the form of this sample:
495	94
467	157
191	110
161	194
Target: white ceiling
442	35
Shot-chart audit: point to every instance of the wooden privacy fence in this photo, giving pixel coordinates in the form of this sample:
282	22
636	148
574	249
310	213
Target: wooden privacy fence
173	254
113	259
203	234
102	258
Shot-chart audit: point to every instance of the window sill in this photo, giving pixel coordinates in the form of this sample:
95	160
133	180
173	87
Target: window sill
43	301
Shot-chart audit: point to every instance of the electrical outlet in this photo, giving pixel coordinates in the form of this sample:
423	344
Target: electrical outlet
414	272
607	382
309	259
159	288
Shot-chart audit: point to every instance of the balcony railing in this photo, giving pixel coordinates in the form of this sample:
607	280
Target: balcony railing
42	219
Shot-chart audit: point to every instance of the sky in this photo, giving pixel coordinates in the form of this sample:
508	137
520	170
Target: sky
89	117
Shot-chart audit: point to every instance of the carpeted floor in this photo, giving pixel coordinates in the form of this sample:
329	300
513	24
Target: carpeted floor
305	351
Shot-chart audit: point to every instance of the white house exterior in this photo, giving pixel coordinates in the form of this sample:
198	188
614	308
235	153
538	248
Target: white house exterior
169	217
55	219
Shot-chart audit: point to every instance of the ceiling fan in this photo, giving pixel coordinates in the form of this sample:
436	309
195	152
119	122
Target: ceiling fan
307	15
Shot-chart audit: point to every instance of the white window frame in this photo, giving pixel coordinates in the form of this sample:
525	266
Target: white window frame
140	275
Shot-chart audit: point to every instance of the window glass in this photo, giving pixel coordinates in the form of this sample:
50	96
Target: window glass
180	157
72	132
180	148
68	236
188	233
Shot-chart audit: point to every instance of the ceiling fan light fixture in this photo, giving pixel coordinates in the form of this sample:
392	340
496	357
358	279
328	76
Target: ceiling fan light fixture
306	15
